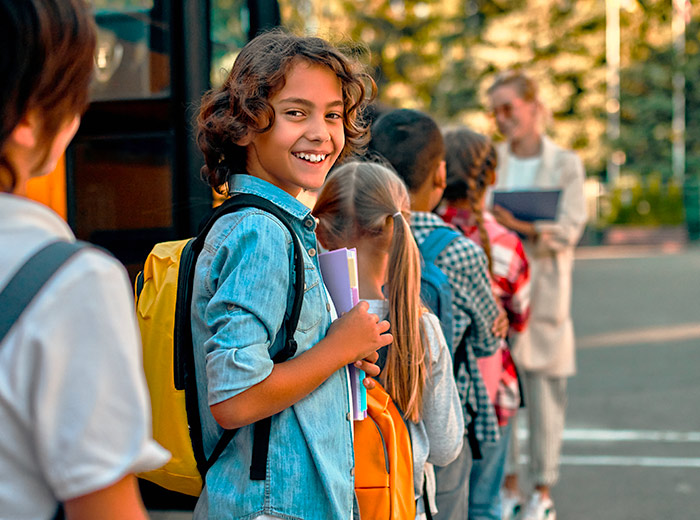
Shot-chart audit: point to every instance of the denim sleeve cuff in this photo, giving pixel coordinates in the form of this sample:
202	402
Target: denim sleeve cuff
231	371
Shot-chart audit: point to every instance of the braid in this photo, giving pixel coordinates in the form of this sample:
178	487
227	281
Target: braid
476	181
470	159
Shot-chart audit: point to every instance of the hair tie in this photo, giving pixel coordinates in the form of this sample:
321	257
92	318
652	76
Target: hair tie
397	214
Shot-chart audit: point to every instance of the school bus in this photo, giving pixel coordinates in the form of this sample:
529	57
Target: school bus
130	178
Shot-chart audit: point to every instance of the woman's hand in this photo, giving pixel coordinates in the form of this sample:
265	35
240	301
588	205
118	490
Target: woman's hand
507	219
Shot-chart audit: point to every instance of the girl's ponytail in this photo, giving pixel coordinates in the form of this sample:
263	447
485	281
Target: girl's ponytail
404	374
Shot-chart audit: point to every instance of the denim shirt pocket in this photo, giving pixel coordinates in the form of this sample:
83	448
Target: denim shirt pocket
314	306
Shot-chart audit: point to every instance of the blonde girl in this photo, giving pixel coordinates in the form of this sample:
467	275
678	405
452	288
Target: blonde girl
366	206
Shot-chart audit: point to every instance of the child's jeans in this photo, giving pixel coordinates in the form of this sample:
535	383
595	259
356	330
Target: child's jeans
486	478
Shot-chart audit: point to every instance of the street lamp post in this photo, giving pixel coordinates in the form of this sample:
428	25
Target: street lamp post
612	76
678	22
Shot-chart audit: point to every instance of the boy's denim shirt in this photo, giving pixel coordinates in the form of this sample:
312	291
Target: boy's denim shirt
241	290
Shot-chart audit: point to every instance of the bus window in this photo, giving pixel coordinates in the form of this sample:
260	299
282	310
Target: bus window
132	58
230	22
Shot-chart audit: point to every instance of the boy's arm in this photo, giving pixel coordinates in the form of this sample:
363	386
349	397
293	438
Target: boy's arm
355	336
235	326
473	294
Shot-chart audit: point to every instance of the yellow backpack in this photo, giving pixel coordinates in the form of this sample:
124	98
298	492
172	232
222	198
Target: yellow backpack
163	302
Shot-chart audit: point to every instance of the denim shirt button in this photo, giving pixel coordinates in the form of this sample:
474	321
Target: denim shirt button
309	223
312	252
328	307
352	471
348	416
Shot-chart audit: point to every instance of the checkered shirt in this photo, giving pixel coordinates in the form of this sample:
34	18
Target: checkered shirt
473	311
511	271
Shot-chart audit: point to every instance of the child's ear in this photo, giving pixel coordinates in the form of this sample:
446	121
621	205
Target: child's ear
490	177
25	134
440	177
246	139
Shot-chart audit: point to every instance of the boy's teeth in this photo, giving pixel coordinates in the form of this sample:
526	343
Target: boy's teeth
311	157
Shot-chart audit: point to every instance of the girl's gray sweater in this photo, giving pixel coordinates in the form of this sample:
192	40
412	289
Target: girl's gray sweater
437	437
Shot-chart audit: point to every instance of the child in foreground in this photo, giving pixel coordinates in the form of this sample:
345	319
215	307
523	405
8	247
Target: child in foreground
74	408
366	206
471	169
287	111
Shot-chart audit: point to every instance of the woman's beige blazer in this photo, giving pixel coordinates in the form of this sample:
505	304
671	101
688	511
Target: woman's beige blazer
547	345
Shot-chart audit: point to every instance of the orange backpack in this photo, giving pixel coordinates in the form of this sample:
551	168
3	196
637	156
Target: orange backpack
383	461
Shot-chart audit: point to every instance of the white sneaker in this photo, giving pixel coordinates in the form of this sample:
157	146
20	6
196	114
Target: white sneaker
511	504
539	508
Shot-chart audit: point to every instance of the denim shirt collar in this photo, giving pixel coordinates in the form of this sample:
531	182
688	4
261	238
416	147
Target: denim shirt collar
244	183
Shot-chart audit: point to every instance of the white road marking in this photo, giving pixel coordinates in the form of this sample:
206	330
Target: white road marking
628	251
603	435
667	334
578	435
619	461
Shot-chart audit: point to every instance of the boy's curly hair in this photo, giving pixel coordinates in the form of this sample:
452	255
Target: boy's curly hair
242	104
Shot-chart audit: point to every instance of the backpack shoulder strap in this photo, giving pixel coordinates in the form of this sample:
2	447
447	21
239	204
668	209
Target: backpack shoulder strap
438	239
184	336
248	200
460	358
30	278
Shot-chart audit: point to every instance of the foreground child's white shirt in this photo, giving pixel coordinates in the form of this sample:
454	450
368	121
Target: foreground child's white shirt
74	406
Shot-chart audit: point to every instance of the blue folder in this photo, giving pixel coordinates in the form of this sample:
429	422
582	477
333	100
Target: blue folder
529	205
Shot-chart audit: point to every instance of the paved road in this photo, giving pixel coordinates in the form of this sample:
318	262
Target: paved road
632	445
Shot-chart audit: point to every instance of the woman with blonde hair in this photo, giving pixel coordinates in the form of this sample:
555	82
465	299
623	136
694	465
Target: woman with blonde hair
544	353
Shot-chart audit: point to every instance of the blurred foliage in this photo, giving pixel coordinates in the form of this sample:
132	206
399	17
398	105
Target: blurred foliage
229	33
649	202
440	56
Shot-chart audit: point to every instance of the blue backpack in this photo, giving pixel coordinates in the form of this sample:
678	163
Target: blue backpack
435	289
436	293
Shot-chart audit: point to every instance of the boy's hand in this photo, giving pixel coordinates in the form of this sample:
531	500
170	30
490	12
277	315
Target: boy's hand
360	333
370	368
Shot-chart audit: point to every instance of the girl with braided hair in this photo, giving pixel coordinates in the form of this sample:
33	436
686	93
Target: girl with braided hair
471	165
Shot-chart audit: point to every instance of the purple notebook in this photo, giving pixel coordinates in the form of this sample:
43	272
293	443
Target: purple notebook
339	272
